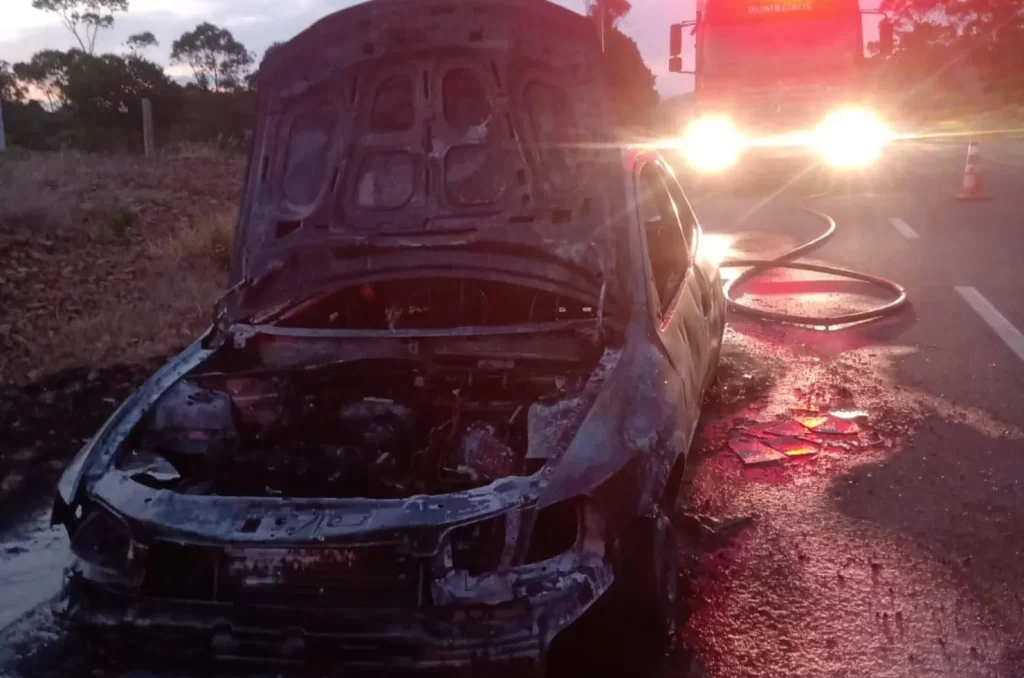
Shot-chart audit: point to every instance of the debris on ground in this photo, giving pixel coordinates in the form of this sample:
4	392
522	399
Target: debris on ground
707	531
752	451
800	435
830	425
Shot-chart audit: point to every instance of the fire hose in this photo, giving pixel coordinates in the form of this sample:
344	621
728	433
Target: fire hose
756	267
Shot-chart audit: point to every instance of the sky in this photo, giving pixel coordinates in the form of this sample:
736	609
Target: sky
258	23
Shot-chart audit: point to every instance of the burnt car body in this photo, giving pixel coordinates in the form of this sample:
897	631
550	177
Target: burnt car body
454	379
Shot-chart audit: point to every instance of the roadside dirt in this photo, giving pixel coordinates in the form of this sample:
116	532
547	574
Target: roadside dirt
44	424
90	272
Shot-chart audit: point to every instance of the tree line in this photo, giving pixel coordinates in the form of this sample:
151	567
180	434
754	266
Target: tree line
79	99
951	57
955	56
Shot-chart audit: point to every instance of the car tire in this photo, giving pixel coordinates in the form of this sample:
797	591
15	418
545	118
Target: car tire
649	581
645	603
629	630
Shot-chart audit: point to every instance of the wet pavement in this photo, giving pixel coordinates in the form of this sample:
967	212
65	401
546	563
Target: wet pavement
894	549
31	560
891	551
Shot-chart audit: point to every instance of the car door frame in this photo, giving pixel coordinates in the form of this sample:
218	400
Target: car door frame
663	312
668	320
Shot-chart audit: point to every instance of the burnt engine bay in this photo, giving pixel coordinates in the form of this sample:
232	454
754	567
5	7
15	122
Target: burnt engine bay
370	429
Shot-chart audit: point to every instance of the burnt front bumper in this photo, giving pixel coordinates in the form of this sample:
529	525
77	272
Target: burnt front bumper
513	621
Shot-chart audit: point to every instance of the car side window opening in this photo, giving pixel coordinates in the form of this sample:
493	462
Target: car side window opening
667	248
687	219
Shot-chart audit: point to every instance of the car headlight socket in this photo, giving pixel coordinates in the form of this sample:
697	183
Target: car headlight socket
103	541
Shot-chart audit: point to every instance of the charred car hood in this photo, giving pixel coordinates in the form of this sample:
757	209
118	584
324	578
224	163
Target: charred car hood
433	126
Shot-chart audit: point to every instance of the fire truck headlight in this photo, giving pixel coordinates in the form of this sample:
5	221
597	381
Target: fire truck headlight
712	144
851	138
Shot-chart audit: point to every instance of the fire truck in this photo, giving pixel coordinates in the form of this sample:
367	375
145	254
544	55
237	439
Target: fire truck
780	79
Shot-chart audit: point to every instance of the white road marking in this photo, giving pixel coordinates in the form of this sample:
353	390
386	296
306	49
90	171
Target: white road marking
904	228
996	320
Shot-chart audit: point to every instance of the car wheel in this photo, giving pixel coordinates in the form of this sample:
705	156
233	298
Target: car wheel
645	601
631	628
716	360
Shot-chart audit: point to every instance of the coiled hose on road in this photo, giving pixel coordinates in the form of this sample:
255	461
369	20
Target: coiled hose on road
756	267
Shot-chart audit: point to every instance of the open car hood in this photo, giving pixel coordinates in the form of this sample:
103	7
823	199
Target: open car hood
433	125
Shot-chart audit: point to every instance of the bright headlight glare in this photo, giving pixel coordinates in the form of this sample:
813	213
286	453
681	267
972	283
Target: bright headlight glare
712	144
851	138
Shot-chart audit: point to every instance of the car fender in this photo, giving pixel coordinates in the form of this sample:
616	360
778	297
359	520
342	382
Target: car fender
96	457
629	441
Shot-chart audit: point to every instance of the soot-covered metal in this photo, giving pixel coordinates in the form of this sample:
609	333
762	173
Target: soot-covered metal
447	390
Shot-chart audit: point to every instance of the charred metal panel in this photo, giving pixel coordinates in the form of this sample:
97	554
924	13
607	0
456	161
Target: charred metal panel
473	122
586	573
641	419
371	638
212	519
358	576
316	269
98	455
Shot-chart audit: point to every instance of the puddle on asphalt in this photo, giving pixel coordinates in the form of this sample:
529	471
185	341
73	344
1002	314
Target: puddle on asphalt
32	559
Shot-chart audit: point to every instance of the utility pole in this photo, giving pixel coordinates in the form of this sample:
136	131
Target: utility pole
597	9
3	136
147	127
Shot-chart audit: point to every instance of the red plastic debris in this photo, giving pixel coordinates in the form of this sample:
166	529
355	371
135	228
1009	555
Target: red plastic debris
787	428
753	452
812	422
792	446
831	425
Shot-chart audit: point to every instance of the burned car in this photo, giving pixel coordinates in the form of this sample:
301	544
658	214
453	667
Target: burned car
445	404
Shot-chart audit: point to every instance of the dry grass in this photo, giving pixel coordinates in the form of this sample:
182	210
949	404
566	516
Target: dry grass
31	195
173	309
109	258
195	150
209	239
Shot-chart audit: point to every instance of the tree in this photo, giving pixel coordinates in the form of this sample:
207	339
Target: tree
84	18
47	72
634	98
140	42
613	10
10	87
217	59
104	95
274	45
112	83
608	12
966	54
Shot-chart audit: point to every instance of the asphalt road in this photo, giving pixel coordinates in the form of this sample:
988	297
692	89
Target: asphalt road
904	224
895	549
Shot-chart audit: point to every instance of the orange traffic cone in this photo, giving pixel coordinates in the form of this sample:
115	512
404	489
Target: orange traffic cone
973	187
